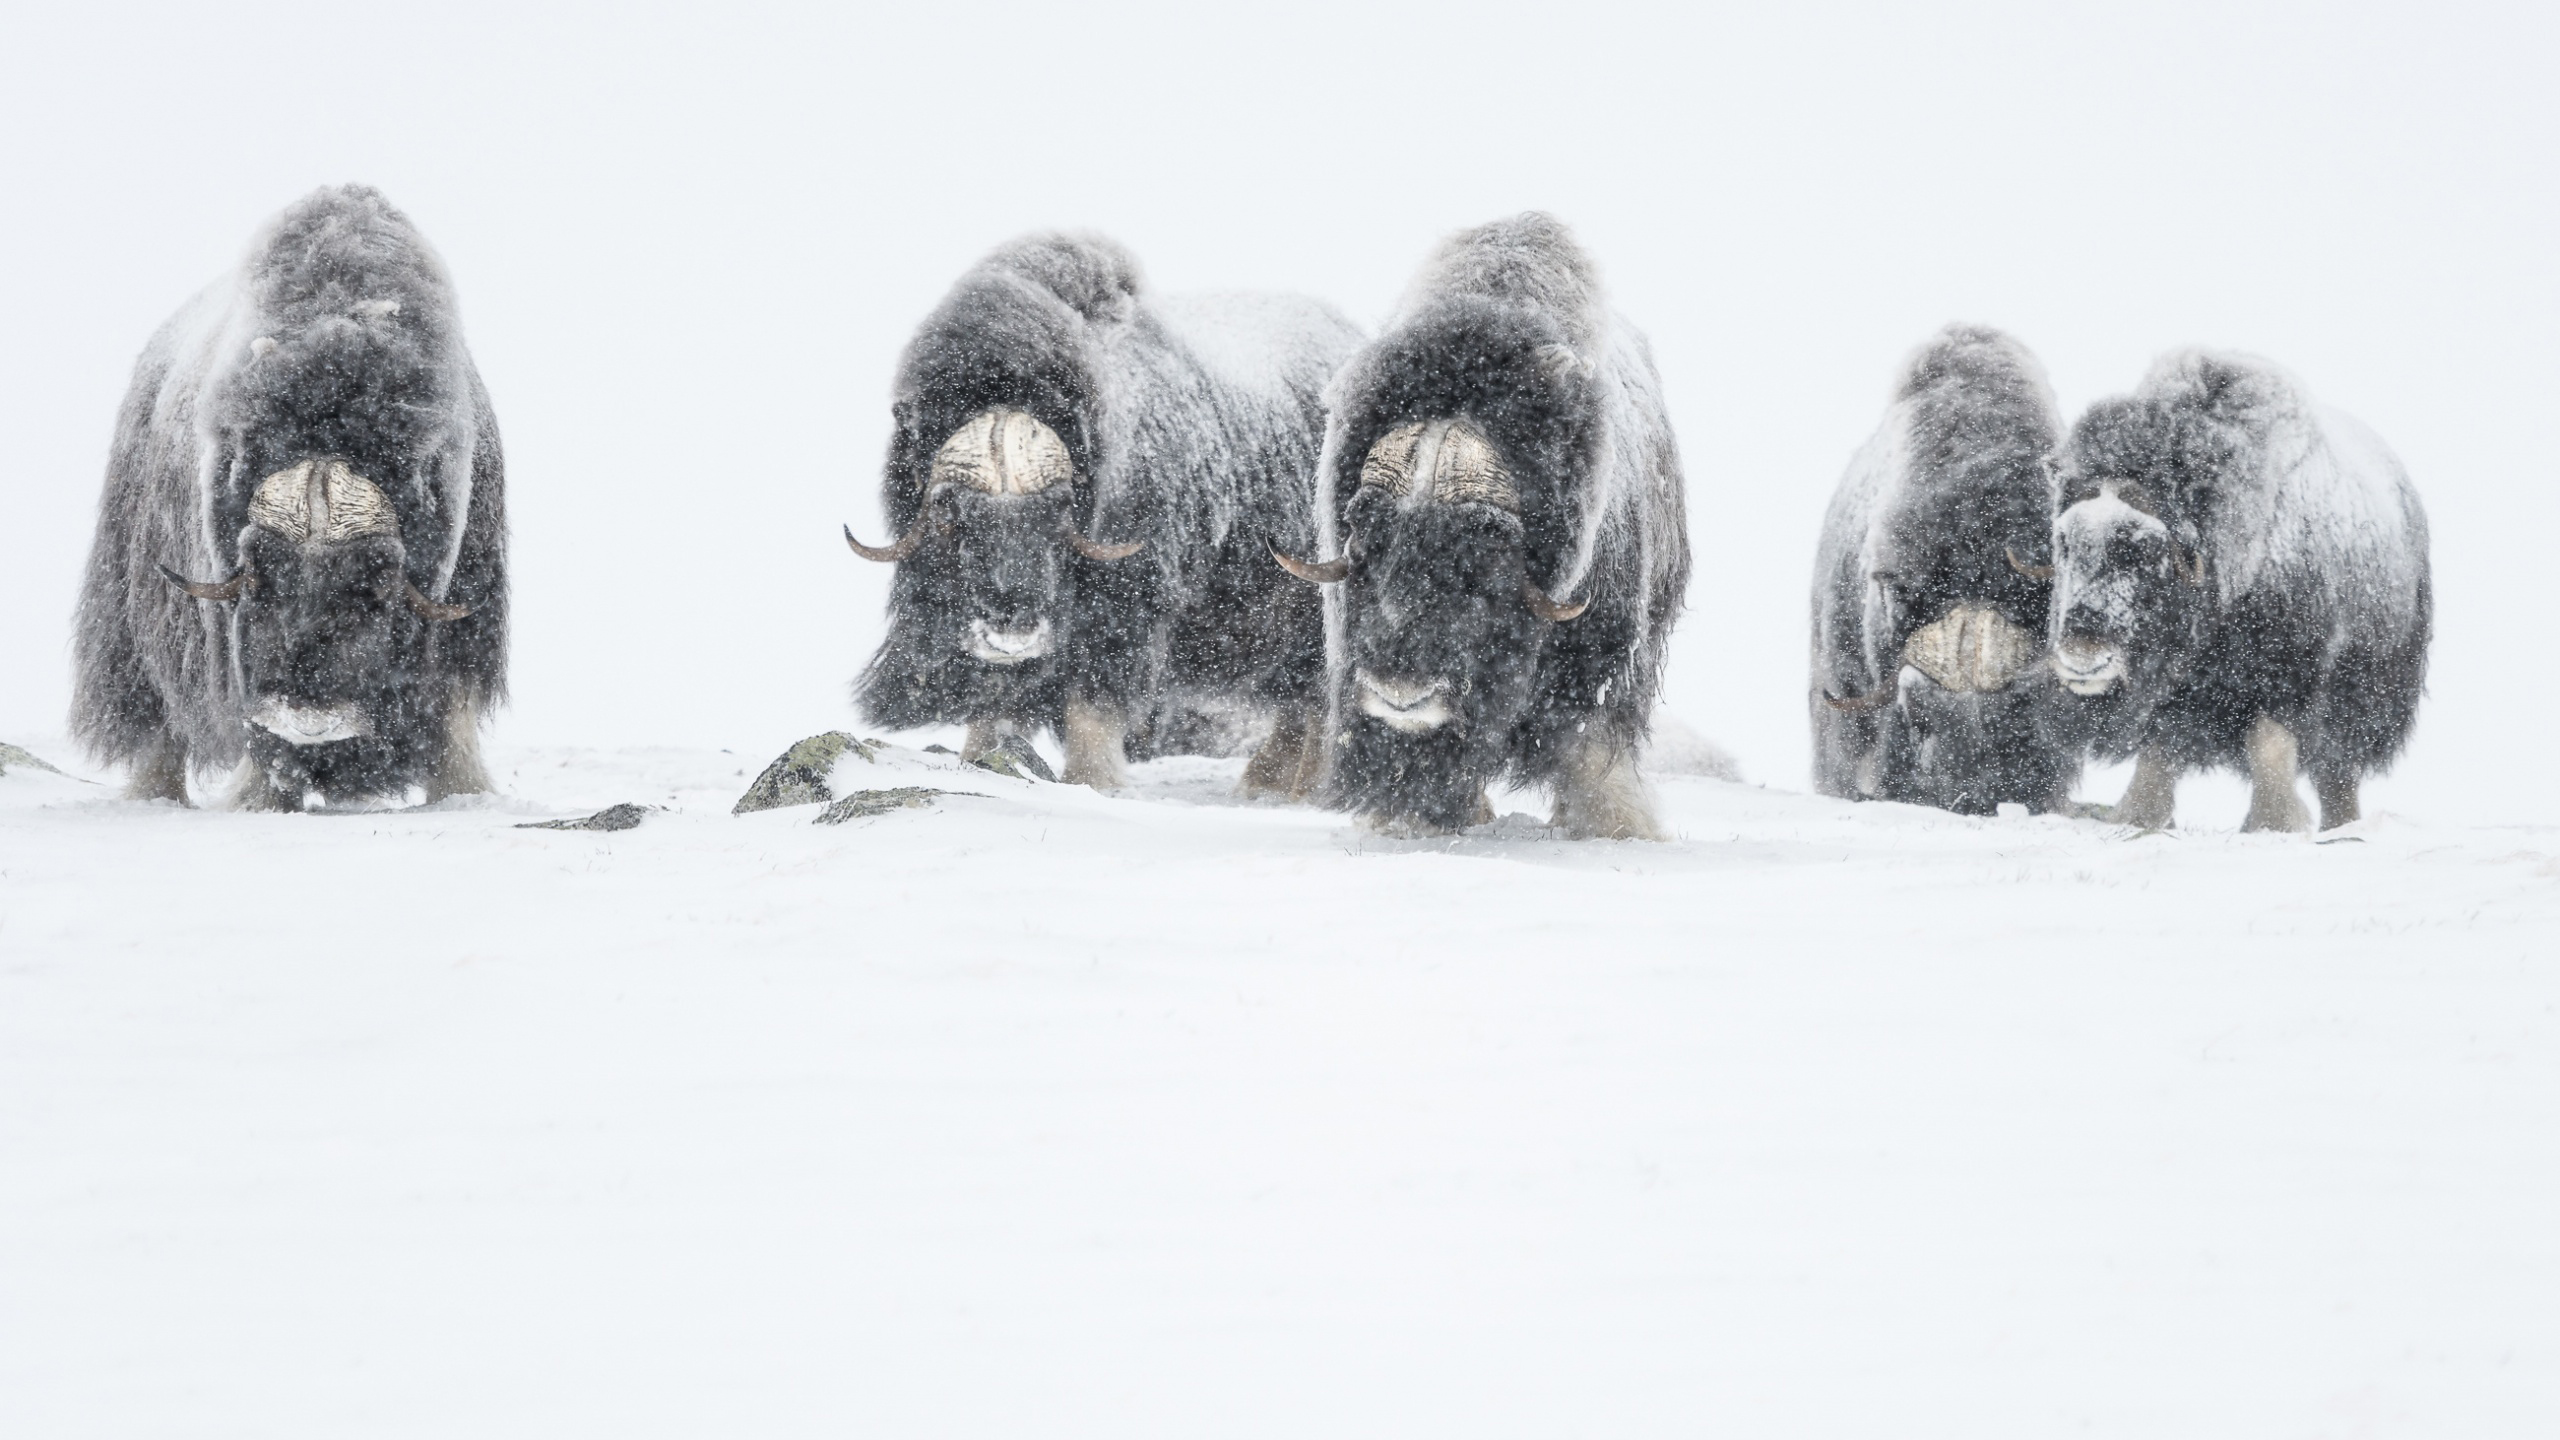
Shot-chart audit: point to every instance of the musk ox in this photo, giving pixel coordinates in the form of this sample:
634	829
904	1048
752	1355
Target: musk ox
2240	578
1087	481
301	547
1501	497
1929	678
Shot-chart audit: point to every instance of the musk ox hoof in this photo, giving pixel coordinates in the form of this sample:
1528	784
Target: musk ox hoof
799	777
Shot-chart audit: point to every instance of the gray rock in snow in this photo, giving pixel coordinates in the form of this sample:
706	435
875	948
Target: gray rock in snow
799	777
863	804
1014	756
13	758
612	817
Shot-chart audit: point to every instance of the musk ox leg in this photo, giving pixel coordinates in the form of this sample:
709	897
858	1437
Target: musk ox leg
159	773
458	770
1095	740
256	790
1599	795
2274	760
2337	795
2151	801
985	737
1287	762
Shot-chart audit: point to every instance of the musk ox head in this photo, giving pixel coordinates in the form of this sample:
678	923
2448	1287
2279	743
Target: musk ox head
2128	569
1442	620
991	538
329	633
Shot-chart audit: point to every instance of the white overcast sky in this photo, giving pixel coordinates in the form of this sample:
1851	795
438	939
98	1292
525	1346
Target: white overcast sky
689	242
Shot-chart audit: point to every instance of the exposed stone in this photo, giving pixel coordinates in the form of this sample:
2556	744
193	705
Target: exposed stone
800	776
612	817
13	758
863	804
1014	756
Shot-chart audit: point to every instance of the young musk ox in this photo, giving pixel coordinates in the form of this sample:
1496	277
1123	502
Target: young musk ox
1502	495
1087	481
1929	678
2240	578
310	433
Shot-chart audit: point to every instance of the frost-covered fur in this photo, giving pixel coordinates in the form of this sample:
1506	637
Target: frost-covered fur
1507	328
1192	424
2230	554
1952	483
337	337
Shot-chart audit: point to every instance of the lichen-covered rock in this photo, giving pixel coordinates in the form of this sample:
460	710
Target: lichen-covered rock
863	804
800	776
13	758
1014	756
612	817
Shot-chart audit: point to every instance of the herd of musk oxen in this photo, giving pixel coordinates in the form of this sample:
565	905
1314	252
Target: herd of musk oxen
1402	568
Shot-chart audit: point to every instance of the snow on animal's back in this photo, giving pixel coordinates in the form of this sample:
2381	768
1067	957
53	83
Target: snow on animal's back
1259	340
2318	494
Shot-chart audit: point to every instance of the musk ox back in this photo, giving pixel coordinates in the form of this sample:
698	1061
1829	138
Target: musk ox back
1929	594
309	437
1502	498
2241	579
1086	482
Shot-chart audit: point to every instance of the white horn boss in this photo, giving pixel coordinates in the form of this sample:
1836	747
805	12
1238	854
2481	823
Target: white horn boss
1002	451
1452	462
1007	453
321	502
1445	460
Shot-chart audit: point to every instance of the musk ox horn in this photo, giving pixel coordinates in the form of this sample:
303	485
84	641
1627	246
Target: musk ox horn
892	554
1971	649
239	583
322	502
2194	576
1315	572
1445	460
1860	704
1095	549
1003	451
426	609
2032	572
1549	608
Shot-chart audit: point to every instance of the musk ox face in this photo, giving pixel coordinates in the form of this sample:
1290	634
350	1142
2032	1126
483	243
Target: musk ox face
329	634
1442	623
1436	631
996	567
991	540
2127	588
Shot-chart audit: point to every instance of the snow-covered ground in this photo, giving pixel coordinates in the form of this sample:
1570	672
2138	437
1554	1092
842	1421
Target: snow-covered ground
1039	1112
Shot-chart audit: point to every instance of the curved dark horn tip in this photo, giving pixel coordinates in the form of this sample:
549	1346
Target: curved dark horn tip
1860	704
427	609
2032	572
889	555
1315	572
225	589
1547	607
1096	550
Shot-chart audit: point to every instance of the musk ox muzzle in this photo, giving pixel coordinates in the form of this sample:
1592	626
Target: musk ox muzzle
1008	647
1413	707
311	724
2089	667
1448	462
